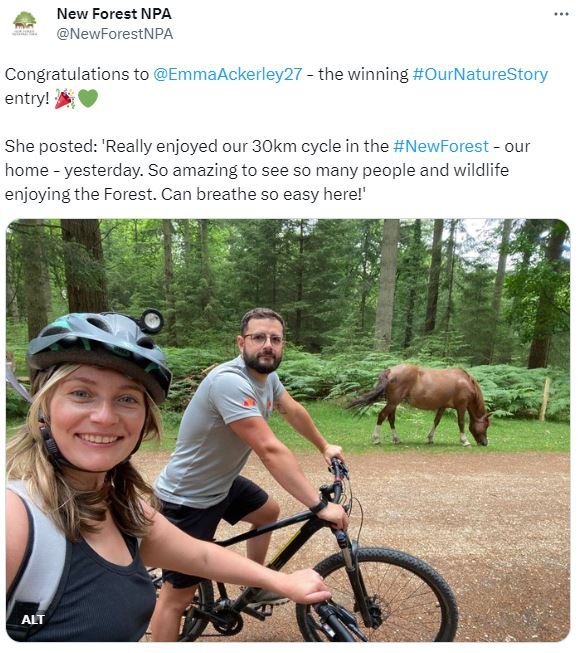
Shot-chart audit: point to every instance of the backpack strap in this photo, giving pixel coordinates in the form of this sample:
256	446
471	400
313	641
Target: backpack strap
38	586
15	383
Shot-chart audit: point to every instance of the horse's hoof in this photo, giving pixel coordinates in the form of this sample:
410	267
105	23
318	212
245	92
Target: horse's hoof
467	444
429	441
376	442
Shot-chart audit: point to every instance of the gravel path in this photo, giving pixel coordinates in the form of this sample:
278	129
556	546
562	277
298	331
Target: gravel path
496	526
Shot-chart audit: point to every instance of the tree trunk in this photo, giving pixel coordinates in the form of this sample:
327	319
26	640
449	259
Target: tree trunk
365	274
35	275
84	266
540	345
449	282
205	273
300	285
434	271
168	282
387	280
498	288
415	263
274	287
187	244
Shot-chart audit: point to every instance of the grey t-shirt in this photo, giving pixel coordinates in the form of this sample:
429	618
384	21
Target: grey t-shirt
208	455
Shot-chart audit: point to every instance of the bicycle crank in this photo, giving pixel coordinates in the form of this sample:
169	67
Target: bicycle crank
227	622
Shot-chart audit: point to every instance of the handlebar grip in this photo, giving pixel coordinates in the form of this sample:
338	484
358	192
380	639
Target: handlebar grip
341	538
338	468
332	625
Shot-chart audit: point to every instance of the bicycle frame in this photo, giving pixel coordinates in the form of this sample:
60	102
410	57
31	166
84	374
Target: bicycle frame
421	588
294	544
311	526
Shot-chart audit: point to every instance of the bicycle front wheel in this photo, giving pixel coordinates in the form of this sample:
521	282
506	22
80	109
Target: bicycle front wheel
192	625
408	599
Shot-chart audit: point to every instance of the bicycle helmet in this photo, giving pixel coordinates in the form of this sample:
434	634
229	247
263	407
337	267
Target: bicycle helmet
104	339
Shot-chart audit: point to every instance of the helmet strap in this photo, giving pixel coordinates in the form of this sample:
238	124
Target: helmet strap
54	454
135	448
50	446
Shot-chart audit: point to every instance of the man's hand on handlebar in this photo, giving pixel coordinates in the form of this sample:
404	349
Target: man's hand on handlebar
336	515
333	451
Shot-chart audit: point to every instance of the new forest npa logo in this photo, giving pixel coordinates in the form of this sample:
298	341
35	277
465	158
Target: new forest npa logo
24	24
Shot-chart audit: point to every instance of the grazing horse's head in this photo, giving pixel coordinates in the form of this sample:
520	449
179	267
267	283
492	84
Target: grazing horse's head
478	427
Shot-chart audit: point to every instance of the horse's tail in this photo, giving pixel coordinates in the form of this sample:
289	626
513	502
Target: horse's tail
374	394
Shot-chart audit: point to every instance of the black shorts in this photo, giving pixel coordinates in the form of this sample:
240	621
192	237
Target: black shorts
243	498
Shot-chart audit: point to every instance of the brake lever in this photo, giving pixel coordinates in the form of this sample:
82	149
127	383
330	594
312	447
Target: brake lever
338	468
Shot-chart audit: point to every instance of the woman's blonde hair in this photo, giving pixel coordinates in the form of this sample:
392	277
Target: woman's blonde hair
77	511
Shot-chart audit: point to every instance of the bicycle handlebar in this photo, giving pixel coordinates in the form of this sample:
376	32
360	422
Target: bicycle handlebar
334	492
338	468
337	623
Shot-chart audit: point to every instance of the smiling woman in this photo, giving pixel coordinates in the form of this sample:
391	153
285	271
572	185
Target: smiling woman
97	417
75	497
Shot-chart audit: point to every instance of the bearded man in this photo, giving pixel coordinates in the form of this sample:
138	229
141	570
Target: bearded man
225	421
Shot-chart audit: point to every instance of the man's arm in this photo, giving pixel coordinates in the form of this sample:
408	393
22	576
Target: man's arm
299	419
284	467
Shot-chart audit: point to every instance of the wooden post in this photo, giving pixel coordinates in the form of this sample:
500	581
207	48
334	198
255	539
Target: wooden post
545	399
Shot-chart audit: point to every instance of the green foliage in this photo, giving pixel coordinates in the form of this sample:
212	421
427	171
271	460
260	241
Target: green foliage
447	348
509	391
16	406
515	391
16	343
323	276
189	366
540	283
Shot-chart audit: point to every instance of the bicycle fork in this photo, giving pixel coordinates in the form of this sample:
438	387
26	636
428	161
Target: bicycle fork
349	553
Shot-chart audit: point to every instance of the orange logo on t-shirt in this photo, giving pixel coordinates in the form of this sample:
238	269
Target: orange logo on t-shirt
248	401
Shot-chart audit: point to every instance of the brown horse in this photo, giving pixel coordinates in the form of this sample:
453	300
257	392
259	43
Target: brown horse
429	389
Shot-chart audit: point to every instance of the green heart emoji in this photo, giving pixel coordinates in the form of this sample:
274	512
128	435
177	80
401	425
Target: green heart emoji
88	98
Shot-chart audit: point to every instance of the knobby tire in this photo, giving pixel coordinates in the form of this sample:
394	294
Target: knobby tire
192	625
414	602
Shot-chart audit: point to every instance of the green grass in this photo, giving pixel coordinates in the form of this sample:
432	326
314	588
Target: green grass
353	432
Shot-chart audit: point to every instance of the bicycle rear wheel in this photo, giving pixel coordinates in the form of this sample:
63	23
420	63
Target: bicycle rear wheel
192	625
410	601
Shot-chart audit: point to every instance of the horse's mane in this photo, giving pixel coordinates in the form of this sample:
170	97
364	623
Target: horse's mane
478	396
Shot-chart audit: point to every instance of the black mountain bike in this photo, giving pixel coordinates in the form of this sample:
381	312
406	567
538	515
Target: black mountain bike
378	594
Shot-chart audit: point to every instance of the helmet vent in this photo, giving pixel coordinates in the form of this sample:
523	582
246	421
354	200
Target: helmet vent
100	324
53	331
146	343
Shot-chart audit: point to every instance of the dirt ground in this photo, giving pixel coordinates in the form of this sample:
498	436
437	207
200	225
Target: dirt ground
496	526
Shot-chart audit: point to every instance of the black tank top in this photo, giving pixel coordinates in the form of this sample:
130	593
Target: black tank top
102	602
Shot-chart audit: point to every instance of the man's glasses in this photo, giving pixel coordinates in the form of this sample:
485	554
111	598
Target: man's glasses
262	338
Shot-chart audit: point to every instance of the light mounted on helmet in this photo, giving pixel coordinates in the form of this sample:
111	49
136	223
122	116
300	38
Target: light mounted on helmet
151	321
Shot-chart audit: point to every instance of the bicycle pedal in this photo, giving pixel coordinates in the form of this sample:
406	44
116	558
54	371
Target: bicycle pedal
261	612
